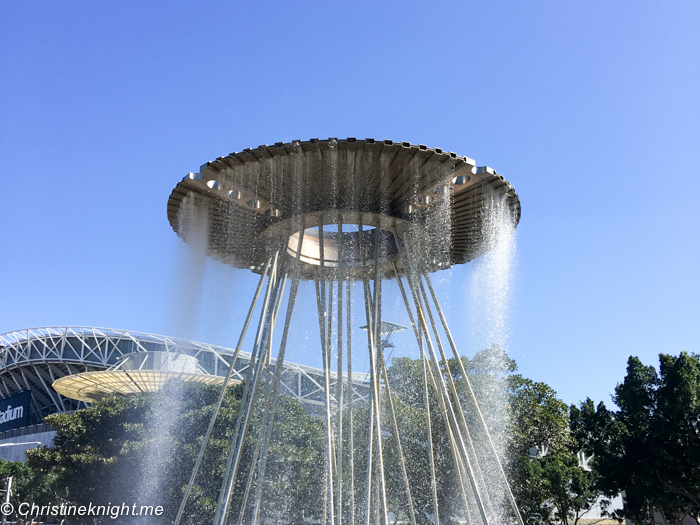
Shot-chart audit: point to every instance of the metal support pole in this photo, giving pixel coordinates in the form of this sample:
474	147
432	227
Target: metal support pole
279	365
404	471
443	387
276	382
350	406
455	396
266	404
323	313
472	396
373	327
377	506
370	442
451	417
375	415
339	374
249	484
263	366
8	495
428	424
329	343
428	372
244	416
229	463
219	401
460	468
370	445
419	339
395	425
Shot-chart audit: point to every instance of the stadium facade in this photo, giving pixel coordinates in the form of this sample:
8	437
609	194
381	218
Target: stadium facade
32	360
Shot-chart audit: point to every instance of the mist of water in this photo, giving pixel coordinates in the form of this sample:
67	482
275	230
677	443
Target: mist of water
492	275
489	306
158	449
190	265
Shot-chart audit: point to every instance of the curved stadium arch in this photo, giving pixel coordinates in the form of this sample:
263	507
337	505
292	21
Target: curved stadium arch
34	358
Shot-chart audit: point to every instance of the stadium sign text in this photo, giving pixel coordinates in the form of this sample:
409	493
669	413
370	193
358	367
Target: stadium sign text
11	414
14	411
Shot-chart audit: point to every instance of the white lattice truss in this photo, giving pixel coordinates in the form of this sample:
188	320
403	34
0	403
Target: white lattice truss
33	358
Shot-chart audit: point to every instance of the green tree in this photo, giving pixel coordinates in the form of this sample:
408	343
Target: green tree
544	470
538	427
548	481
28	484
144	446
650	447
406	381
488	371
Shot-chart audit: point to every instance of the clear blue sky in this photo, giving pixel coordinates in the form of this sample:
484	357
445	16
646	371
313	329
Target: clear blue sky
591	110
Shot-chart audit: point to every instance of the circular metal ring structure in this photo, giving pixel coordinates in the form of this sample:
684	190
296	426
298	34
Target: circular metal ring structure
248	204
94	386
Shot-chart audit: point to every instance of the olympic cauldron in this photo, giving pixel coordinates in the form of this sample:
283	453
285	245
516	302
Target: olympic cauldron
348	213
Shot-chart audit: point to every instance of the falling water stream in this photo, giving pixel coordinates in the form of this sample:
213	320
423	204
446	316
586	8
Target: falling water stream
191	263
489	295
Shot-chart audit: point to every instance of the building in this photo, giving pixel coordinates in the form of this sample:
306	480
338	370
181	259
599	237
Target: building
88	363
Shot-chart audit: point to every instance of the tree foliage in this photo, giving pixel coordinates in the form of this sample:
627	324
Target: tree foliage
28	484
487	371
141	449
549	483
540	451
650	447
